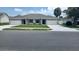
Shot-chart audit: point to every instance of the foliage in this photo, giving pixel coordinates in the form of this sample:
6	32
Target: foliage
68	23
77	22
72	12
57	12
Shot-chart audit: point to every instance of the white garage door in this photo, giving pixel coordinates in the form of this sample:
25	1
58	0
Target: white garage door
51	22
15	22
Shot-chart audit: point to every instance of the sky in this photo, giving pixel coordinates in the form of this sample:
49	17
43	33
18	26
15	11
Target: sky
13	11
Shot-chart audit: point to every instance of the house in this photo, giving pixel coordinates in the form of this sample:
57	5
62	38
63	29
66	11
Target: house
30	18
4	19
33	18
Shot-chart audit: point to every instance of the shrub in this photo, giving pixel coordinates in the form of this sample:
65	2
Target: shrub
68	23
4	23
77	22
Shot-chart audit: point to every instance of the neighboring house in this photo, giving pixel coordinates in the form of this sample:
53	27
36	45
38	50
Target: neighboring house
33	18
67	19
4	18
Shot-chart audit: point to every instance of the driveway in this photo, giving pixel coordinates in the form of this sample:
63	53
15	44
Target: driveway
38	41
61	28
6	26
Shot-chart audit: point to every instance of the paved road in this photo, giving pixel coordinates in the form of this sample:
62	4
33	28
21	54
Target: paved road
38	41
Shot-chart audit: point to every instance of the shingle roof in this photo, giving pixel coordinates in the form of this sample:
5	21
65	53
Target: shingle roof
2	14
33	16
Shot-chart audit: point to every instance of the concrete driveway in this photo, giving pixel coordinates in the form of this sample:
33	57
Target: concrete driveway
38	41
6	26
61	28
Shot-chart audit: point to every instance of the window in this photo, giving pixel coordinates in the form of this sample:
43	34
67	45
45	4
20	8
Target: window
30	20
44	21
37	21
23	21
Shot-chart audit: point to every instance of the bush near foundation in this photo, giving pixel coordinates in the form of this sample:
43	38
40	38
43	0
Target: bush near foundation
4	23
68	23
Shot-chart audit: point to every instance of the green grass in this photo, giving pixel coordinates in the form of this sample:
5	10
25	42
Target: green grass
30	27
4	23
77	29
77	26
33	26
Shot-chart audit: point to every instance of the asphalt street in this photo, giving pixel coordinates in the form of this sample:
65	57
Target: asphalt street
38	41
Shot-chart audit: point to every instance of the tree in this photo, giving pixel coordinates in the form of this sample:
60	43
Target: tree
57	12
64	11
61	17
73	12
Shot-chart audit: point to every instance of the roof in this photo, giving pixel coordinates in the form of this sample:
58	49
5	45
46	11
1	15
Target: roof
33	16
1	14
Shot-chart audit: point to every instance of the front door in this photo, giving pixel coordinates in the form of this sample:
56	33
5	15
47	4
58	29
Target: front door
44	21
37	21
23	21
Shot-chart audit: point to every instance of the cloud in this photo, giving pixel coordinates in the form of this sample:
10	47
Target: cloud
51	11
63	8
18	9
48	11
27	12
41	11
50	8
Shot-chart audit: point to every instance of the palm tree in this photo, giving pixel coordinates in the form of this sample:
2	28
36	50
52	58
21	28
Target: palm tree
57	12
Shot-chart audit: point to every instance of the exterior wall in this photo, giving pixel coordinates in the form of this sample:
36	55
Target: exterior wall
26	21
51	22
19	22
15	22
60	22
4	19
65	20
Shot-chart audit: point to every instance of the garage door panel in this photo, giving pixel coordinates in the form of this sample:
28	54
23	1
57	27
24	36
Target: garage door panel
51	22
15	22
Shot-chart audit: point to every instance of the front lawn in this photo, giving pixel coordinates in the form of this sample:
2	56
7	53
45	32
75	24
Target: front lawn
30	27
72	26
33	26
4	24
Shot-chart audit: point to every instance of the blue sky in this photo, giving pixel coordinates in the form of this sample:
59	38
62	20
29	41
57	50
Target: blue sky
13	11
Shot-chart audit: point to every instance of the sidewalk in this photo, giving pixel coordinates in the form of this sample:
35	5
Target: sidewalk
6	26
61	28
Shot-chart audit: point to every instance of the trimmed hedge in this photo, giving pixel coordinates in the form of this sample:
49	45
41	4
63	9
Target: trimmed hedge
77	22
68	23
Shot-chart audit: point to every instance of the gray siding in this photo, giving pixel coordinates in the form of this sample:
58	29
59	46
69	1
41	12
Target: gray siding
51	22
4	19
15	22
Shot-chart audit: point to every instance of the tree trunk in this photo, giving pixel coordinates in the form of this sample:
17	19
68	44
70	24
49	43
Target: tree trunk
74	21
57	20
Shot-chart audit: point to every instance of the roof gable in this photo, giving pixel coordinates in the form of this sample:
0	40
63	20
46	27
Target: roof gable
33	16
